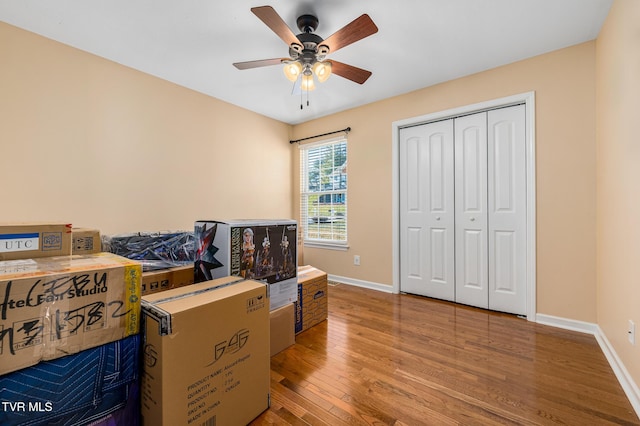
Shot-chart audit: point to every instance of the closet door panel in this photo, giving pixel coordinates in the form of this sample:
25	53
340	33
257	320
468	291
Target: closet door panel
471	210
507	209
413	253
427	210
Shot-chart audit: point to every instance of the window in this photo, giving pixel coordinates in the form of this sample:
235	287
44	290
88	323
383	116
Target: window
323	193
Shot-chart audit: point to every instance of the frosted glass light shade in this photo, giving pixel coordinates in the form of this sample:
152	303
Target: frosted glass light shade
322	70
292	70
307	83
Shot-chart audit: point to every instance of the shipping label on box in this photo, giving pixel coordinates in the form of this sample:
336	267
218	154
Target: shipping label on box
52	307
26	241
282	293
259	250
311	306
206	354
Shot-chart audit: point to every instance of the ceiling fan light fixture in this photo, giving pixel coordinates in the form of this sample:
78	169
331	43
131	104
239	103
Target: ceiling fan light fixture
307	83
292	70
307	51
322	70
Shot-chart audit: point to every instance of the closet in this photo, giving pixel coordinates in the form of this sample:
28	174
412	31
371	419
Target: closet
463	209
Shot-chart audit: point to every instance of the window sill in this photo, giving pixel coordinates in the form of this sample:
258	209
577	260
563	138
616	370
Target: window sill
329	246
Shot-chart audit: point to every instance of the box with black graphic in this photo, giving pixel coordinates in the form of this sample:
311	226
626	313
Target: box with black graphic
263	250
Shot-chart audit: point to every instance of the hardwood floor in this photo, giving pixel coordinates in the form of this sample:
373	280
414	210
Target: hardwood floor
385	359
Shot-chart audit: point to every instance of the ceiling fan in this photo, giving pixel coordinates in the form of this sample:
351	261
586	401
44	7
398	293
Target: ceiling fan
308	51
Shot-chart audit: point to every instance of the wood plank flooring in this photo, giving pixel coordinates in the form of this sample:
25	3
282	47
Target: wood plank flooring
388	359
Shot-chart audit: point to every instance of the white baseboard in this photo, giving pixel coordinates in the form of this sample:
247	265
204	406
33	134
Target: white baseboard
624	378
567	324
361	283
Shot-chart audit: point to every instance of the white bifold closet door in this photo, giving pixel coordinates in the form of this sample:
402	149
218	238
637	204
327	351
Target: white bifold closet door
427	210
507	183
463	218
471	218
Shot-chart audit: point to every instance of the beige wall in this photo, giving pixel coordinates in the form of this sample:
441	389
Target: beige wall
90	142
564	85
618	179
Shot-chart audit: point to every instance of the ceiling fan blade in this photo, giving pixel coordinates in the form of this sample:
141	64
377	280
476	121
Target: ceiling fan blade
270	17
260	63
349	72
356	30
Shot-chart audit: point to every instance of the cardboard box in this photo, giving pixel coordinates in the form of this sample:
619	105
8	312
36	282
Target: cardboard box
56	306
166	279
32	240
206	354
311	306
263	250
282	325
80	389
85	241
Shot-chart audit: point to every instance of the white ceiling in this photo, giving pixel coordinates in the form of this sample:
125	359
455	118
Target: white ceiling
193	43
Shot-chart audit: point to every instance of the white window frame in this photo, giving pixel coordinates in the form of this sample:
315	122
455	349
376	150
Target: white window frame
311	241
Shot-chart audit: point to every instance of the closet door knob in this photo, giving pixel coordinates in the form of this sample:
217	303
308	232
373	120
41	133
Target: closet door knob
437	217
472	219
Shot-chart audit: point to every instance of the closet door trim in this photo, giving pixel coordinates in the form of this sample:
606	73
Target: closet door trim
528	99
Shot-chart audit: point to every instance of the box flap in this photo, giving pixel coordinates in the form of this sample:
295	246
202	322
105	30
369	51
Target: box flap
182	301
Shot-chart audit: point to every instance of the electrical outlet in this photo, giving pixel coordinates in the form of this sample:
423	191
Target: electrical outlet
631	333
356	260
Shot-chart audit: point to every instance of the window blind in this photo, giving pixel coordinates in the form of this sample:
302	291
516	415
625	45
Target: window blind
323	192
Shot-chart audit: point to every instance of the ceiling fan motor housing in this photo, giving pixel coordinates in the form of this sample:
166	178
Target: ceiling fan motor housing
310	52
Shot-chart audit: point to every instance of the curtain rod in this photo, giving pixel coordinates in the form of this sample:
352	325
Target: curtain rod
347	130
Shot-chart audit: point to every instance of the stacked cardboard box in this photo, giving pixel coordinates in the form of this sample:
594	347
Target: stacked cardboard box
60	314
166	279
69	329
263	250
85	241
282	324
309	309
33	240
206	353
56	306
311	306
